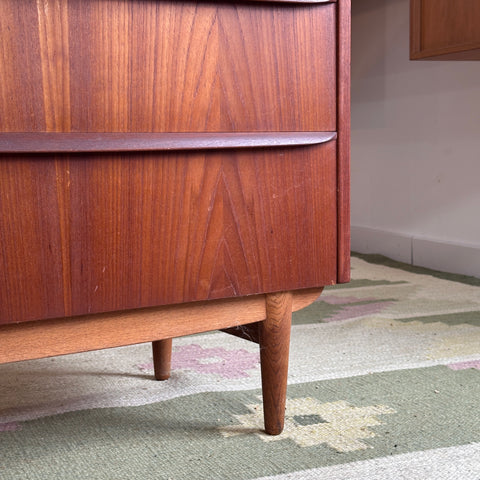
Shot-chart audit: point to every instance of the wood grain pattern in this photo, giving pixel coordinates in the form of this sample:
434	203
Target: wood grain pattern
445	30
106	232
53	35
39	339
297	90
21	92
136	142
274	340
136	70
30	238
343	151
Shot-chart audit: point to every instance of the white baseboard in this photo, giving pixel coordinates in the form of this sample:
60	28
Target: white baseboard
392	245
438	255
447	257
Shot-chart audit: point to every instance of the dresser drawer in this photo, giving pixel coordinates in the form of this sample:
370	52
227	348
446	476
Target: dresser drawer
160	66
87	233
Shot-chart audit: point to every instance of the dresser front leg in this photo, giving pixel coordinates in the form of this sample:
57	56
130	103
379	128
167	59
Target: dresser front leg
162	358
274	339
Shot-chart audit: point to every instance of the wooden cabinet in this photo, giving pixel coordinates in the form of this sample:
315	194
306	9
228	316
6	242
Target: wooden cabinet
168	168
445	29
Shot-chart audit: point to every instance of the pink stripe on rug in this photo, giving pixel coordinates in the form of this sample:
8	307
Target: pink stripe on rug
464	365
10	427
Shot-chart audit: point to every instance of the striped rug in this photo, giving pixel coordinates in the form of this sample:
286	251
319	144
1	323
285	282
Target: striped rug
384	384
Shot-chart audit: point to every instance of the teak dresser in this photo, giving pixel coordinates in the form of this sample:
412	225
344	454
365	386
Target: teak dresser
168	168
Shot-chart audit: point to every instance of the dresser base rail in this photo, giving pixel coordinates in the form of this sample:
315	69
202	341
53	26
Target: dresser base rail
47	338
267	317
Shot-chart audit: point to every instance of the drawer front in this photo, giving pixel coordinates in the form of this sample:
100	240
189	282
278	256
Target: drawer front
87	233
444	29
158	66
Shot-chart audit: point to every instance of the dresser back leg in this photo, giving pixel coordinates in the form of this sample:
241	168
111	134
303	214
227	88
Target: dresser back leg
162	358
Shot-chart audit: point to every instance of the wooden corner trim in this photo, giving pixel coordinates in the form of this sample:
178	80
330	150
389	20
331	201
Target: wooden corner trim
343	141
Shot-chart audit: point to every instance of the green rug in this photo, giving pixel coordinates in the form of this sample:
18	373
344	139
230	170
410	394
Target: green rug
384	384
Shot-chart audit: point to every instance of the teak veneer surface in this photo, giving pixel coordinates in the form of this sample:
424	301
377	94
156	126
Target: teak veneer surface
158	66
92	232
98	232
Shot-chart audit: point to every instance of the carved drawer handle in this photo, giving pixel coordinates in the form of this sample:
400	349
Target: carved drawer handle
140	142
295	1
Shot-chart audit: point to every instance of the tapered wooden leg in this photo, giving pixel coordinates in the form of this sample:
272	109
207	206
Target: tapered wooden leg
274	339
162	358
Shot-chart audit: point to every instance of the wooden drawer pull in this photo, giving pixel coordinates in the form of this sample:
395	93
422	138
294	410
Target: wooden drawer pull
297	1
138	142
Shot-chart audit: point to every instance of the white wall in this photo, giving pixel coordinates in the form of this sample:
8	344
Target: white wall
415	146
